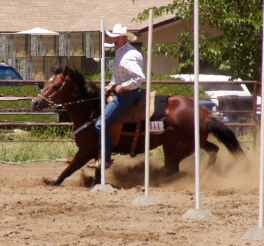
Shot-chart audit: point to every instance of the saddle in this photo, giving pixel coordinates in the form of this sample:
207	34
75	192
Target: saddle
134	114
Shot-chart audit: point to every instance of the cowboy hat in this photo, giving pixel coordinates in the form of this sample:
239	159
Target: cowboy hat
121	30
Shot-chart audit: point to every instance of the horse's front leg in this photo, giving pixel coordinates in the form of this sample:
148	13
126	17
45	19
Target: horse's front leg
79	160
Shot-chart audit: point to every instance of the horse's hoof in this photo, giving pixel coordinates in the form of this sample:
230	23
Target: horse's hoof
53	183
50	183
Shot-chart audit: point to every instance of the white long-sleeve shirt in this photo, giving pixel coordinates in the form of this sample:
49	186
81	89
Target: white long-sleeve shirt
128	70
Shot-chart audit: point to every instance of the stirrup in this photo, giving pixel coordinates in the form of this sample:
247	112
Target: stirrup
97	164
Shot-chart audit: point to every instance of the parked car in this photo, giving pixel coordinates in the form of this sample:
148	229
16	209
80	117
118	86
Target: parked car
225	95
8	72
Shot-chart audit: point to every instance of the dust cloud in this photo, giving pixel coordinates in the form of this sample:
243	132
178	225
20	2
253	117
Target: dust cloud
227	173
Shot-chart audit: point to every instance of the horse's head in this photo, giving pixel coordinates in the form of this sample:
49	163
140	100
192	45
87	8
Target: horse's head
64	87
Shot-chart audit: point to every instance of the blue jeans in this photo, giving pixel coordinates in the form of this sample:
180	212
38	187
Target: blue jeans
112	111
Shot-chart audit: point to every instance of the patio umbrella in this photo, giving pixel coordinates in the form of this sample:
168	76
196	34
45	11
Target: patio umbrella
38	31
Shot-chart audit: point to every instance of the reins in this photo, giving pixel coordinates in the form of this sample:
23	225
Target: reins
54	105
82	127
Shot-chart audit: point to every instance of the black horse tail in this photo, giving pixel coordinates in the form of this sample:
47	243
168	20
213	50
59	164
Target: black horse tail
225	135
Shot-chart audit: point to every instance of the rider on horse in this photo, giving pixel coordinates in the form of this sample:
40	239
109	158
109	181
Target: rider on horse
126	81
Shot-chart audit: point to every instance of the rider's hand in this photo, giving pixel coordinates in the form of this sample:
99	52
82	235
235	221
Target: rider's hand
119	89
109	88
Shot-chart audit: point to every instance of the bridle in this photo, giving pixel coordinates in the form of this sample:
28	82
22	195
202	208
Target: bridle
55	105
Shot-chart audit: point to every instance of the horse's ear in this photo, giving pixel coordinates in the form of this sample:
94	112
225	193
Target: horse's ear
57	69
65	71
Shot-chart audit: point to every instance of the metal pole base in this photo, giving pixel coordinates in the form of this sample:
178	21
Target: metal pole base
100	187
255	233
198	214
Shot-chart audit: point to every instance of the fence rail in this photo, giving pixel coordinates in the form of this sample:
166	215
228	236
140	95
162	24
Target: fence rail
27	111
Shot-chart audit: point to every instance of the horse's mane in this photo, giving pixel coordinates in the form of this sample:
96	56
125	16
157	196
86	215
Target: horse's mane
79	79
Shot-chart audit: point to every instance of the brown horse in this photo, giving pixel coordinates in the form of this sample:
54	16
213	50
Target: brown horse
68	88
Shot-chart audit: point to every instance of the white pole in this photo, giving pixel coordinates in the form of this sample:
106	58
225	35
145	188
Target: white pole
150	34
197	213
196	102
147	199
103	186
257	233
103	105
261	181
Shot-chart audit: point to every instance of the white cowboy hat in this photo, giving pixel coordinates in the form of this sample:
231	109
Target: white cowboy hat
121	30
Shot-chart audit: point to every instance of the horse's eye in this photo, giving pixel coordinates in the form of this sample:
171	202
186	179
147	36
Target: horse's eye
56	87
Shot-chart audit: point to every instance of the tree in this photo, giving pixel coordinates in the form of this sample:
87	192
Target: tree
236	49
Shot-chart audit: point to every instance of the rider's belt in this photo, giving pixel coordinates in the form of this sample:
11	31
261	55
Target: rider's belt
127	90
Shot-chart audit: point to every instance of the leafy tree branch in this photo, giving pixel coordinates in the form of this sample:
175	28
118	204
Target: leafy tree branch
237	47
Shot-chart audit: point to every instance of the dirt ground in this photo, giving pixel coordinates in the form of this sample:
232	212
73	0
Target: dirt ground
33	213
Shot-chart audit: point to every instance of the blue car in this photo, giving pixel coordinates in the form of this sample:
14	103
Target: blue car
8	72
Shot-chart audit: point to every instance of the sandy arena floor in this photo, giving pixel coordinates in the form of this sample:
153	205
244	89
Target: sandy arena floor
72	214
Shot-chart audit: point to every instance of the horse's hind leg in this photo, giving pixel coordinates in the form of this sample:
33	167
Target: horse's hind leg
172	159
212	151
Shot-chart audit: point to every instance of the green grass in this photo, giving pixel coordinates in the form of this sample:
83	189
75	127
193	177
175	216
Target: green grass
21	91
36	151
33	118
23	144
19	148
